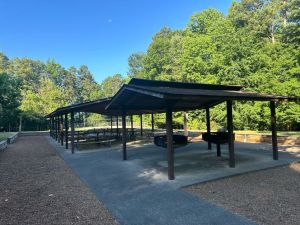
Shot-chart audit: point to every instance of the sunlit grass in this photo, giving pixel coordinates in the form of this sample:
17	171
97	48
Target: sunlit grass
5	135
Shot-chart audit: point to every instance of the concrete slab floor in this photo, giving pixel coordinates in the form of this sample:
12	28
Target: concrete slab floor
137	191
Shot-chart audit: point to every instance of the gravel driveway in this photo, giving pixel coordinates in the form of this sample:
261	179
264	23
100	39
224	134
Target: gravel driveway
37	187
268	197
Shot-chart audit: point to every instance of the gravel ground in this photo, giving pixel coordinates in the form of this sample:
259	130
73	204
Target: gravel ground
268	197
37	187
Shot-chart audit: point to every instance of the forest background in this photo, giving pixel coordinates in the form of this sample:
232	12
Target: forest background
257	45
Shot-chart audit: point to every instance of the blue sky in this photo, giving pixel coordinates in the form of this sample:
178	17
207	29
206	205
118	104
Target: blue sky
98	33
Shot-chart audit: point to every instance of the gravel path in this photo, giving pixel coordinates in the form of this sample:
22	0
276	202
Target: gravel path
37	187
268	197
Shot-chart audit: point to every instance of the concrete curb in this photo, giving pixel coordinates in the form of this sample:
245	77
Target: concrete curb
3	145
33	133
13	138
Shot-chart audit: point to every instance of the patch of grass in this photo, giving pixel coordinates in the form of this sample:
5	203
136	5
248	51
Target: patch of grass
5	135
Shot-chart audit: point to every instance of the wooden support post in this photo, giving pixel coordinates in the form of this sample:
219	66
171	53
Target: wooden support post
55	127
141	120
72	133
124	134
208	126
185	124
50	127
131	123
274	130
111	125
170	147
58	129
230	133
117	125
62	130
66	131
152	122
218	150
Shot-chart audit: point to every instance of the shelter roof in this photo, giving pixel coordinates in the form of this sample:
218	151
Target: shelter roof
141	96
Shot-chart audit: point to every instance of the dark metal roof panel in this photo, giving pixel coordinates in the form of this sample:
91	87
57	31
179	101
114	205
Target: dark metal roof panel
156	83
97	106
182	92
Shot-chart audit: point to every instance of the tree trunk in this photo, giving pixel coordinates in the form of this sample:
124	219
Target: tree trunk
20	125
272	34
284	13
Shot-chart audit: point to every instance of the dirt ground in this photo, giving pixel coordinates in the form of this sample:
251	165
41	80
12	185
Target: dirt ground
268	197
37	187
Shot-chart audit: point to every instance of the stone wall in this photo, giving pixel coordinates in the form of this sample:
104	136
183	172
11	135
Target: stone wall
3	145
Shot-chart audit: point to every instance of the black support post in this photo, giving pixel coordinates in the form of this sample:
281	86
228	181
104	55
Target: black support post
152	122
218	150
141	120
274	130
124	134
230	134
50	127
111	123
50	122
53	127
58	129
66	131
117	126
131	123
170	147
62	130
208	126
72	133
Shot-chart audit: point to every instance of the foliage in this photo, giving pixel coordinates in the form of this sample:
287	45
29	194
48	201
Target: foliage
135	63
9	100
111	85
256	45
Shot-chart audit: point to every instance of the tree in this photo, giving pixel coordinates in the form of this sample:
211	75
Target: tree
158	56
292	29
29	71
264	18
135	63
206	22
88	88
71	86
55	72
243	48
4	62
46	100
9	100
111	85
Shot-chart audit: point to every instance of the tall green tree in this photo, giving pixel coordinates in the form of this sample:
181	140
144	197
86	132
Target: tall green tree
111	85
55	72
71	86
135	63
158	55
9	100
4	62
88	87
29	71
292	29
